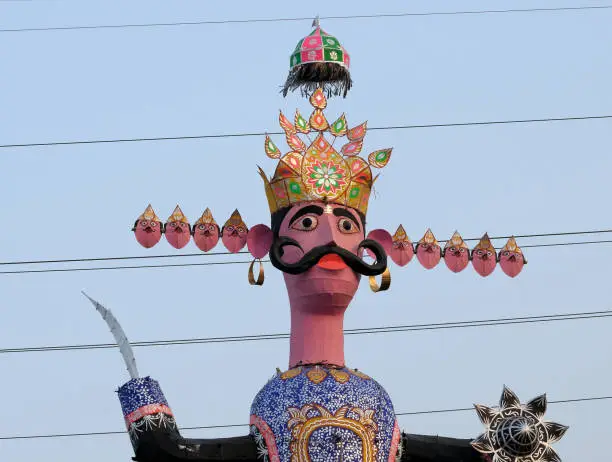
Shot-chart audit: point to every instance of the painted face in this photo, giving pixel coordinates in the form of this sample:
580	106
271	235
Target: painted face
206	236
511	262
234	237
148	232
402	250
484	257
178	234
456	254
321	244
428	251
511	258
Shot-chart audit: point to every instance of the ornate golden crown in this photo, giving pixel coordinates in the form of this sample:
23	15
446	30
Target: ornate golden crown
318	171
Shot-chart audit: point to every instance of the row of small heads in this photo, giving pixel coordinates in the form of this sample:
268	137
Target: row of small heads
457	255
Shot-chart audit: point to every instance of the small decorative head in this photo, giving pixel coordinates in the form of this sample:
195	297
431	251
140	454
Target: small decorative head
177	229
402	250
456	253
234	233
484	257
428	250
511	258
148	228
206	232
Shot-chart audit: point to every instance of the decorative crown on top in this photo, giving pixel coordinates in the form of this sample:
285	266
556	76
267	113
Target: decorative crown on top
318	171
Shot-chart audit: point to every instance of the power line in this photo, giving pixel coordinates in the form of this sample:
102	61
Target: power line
237	262
295	19
260	134
358	331
203	427
140	257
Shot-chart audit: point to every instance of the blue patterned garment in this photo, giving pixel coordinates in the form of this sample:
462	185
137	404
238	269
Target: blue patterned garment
324	414
138	393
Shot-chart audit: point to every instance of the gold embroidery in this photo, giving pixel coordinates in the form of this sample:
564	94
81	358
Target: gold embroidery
302	427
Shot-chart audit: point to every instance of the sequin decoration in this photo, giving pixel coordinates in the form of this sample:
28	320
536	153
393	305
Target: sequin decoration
324	172
295	142
338	128
353	148
318	121
301	124
316	375
357	133
318	100
285	124
144	405
271	150
380	158
350	419
138	393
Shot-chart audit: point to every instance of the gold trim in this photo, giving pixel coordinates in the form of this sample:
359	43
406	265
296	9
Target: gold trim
385	282
260	277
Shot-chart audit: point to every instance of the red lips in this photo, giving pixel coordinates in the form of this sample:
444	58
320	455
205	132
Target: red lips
332	262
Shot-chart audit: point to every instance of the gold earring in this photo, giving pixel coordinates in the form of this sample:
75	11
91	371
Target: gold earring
385	282
260	277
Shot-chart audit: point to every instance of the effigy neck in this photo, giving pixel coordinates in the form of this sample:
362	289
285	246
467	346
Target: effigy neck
317	335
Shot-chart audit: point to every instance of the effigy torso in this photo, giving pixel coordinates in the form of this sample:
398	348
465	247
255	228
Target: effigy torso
324	414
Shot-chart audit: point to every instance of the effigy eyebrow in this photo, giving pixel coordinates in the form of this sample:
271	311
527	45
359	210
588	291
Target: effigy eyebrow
305	211
340	212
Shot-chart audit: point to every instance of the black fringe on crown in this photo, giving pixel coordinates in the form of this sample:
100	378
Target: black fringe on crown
333	78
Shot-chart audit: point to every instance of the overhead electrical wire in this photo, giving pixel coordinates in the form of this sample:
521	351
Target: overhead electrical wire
205	427
272	20
141	257
359	331
232	262
252	134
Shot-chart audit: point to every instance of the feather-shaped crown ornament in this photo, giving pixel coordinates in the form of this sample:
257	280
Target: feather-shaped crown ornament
317	171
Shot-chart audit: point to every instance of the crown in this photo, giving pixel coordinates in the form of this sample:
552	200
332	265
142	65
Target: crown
178	216
206	219
149	214
318	171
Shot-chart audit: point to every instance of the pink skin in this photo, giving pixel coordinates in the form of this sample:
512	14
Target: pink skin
428	255
401	253
383	238
259	241
178	234
148	233
484	261
206	236
456	258
511	263
319	297
234	237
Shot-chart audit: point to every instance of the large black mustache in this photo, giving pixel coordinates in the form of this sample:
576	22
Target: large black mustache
312	257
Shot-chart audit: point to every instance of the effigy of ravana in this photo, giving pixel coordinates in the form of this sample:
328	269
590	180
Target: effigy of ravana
321	410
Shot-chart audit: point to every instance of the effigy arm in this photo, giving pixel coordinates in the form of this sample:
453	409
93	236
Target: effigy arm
161	445
165	445
426	448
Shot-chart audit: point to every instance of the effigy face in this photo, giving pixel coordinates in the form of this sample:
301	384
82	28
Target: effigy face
206	232
234	233
511	258
178	232
324	414
148	228
319	248
456	253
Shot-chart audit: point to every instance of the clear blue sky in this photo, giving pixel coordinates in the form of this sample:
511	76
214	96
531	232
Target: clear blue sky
80	201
